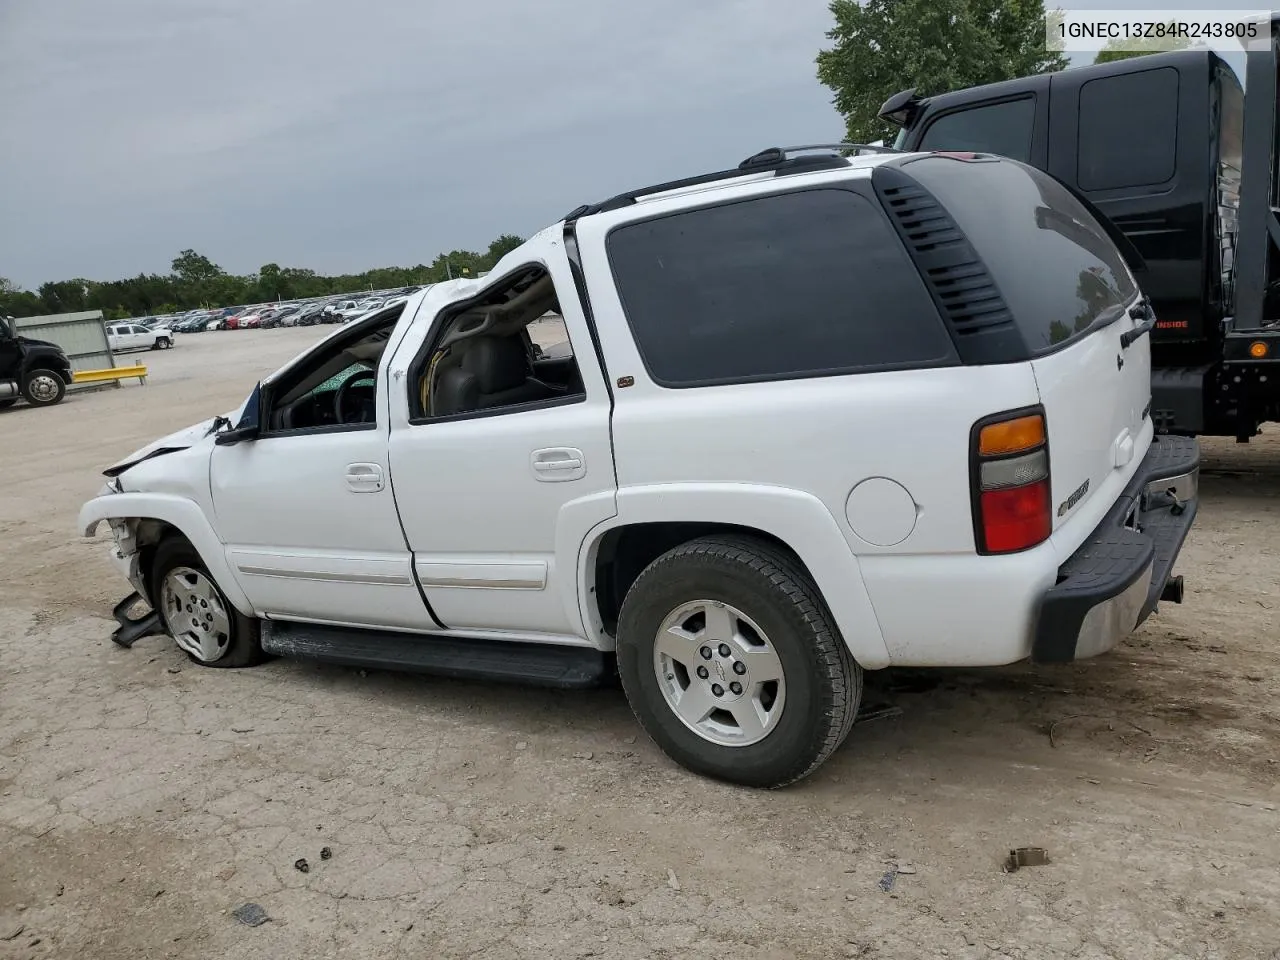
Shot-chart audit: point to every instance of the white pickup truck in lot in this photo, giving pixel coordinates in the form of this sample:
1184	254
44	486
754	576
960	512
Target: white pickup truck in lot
818	414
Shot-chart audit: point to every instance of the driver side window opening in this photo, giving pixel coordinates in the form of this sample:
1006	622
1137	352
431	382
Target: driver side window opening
336	389
504	352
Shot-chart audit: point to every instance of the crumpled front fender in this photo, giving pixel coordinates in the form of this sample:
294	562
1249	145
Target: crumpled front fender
179	512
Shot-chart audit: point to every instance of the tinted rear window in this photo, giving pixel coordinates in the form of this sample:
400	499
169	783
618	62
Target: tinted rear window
803	284
1058	271
1128	130
1003	128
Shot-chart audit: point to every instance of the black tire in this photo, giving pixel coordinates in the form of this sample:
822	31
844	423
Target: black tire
242	647
43	388
823	683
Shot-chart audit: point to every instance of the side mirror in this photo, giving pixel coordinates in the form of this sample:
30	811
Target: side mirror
238	435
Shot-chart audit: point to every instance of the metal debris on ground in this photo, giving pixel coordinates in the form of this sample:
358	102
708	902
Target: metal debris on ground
1025	857
251	915
672	880
325	853
880	711
301	865
886	882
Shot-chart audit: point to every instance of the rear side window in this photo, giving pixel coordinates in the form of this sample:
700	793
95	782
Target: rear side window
1128	130
1003	128
1059	272
804	284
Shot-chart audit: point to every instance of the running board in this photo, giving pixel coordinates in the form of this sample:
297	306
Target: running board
534	664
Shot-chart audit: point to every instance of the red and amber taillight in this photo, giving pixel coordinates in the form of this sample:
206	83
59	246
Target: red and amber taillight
1011	498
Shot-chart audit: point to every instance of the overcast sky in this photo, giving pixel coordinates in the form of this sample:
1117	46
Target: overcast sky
347	134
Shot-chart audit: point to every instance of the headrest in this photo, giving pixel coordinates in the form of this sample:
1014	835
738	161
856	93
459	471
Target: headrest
499	363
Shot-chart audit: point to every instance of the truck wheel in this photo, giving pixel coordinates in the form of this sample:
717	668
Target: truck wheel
731	663
43	388
196	613
162	343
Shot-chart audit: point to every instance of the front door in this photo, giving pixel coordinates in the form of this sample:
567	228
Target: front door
306	510
497	496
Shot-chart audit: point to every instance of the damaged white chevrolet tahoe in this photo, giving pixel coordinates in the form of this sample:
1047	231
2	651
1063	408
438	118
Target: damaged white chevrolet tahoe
818	414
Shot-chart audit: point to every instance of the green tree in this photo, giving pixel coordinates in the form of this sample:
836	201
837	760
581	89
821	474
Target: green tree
500	248
884	46
192	267
65	296
16	302
1111	51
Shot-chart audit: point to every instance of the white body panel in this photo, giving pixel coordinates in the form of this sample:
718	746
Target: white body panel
495	535
1094	393
865	477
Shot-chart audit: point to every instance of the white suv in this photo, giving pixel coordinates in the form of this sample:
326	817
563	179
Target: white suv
816	415
135	336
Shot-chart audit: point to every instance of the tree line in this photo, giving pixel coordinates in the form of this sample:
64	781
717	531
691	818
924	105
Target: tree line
196	281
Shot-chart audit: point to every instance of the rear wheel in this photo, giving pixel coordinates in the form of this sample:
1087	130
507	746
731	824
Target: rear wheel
731	663
196	613
43	388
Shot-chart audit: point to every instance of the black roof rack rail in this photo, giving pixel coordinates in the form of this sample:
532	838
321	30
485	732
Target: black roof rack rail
780	160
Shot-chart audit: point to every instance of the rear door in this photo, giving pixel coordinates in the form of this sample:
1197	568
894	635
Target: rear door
1069	294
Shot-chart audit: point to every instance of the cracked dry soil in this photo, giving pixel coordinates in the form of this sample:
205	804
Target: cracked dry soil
143	799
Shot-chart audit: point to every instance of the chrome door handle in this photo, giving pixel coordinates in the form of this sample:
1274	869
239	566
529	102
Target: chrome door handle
364	477
552	464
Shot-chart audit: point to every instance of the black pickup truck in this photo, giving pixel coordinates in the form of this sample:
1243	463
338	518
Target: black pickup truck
35	370
1167	148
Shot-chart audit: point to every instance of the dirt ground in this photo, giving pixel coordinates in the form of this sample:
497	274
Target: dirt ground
142	799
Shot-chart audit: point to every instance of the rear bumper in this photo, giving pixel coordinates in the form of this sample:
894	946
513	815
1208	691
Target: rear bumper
1115	580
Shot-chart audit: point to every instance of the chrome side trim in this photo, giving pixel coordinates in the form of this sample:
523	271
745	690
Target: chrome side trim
392	580
480	583
483	574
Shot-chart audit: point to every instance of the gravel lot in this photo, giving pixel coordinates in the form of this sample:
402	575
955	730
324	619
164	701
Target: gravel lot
142	799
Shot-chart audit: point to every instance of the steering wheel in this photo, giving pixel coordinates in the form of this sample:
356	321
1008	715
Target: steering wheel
340	395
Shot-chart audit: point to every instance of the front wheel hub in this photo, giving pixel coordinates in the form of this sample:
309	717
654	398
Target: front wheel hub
194	614
44	387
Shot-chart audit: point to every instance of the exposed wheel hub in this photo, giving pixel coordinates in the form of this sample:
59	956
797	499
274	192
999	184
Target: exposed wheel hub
44	387
719	673
194	614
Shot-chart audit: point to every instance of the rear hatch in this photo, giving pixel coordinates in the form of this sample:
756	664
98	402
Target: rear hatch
1077	311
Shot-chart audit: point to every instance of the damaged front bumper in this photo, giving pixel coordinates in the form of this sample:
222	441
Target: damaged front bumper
1123	569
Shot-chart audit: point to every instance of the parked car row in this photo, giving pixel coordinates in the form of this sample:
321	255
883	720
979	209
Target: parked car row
297	313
